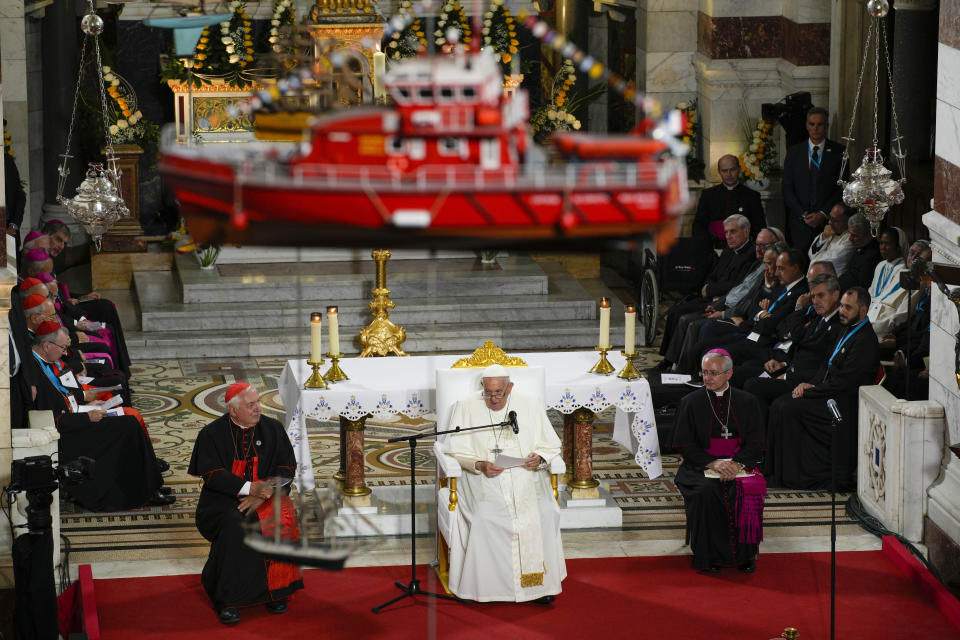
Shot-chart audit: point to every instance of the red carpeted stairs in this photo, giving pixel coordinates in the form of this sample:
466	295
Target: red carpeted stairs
603	599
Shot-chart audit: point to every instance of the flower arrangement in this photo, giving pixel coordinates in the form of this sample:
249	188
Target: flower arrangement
453	17
759	160
556	114
224	50
500	33
691	136
283	15
407	42
127	124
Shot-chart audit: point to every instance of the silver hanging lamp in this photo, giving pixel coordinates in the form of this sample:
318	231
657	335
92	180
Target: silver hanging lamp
98	203
872	189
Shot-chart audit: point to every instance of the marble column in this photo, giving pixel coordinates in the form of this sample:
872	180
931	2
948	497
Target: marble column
666	43
353	483
582	483
598	44
942	526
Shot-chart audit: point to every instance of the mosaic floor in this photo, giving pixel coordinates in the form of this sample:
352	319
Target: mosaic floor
178	397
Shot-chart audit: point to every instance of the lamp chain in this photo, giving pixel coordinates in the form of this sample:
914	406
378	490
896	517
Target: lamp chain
64	170
876	83
898	154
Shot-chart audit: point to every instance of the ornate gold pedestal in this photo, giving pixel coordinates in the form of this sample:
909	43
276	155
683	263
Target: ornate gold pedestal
603	365
381	337
629	372
578	453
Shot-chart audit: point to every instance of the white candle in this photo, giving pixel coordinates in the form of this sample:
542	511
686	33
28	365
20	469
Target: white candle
630	328
316	337
333	328
604	323
379	68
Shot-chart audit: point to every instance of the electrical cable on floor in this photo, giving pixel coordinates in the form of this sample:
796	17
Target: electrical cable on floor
855	511
65	563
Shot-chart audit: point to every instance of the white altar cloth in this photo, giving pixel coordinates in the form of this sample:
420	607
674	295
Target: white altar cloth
386	387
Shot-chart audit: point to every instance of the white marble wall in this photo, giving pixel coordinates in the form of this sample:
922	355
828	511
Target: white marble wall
666	43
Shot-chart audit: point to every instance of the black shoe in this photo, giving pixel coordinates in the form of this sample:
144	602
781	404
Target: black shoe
664	366
749	566
711	569
163	465
230	616
165	490
160	500
278	606
544	600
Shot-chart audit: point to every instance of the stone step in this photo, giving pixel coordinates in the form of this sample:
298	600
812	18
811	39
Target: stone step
329	281
421	339
355	314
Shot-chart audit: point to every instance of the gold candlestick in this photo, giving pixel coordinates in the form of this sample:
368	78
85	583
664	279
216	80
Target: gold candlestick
381	337
603	365
316	380
335	373
629	372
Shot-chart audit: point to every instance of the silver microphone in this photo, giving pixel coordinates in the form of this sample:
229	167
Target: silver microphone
832	405
512	419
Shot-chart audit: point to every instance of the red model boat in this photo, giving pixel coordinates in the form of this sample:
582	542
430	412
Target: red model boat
452	164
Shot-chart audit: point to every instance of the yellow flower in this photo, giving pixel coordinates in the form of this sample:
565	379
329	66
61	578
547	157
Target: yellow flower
201	47
249	58
506	57
513	49
201	56
514	41
204	39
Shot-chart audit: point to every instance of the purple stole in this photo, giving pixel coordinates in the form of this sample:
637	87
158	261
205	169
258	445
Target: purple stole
751	493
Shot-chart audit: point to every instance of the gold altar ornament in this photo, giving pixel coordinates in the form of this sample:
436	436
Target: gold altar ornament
335	373
381	337
316	379
603	365
487	355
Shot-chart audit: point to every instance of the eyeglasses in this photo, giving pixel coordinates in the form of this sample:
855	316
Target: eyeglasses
494	394
62	347
713	374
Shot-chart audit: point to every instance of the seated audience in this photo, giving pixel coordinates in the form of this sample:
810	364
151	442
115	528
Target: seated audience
734	263
863	261
888	300
719	430
719	202
126	473
833	243
799	427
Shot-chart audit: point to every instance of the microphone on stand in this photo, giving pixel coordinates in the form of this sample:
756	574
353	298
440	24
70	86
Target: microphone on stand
512	419
832	405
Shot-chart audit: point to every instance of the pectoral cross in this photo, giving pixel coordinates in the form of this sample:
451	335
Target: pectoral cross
724	432
496	451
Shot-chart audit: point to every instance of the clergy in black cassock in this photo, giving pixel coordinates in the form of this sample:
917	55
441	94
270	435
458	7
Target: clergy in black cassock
126	474
800	427
717	203
719	431
237	455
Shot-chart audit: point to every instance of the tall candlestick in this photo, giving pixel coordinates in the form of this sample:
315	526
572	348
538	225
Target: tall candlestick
316	337
333	328
630	328
604	323
379	68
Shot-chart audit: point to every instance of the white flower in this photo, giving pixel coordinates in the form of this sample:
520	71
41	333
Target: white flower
576	124
275	23
485	31
274	39
756	133
552	114
226	40
234	59
683	106
231	49
115	83
122	124
106	70
114	129
753	147
393	44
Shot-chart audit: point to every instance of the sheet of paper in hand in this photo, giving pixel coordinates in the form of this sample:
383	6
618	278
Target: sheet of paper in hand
508	462
710	473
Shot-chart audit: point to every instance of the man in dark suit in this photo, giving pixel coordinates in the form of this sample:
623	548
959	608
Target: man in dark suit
725	199
810	173
799	429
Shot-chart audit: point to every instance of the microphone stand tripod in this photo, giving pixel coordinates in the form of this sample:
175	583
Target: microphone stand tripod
412	588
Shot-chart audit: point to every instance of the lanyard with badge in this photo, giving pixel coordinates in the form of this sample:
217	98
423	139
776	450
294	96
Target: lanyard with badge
843	341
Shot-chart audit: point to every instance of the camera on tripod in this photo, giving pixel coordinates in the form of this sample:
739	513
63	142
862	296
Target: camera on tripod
38	478
791	113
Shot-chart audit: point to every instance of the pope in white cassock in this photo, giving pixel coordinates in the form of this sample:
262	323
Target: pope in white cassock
507	546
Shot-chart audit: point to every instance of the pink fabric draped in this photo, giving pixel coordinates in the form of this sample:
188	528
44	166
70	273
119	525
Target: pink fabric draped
751	493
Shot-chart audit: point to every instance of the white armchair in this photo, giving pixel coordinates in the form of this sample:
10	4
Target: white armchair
452	386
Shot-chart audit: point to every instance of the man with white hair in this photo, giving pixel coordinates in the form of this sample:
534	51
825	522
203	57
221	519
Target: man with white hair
238	455
507	547
720	434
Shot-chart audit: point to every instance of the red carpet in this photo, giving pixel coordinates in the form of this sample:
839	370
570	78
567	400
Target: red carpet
609	598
